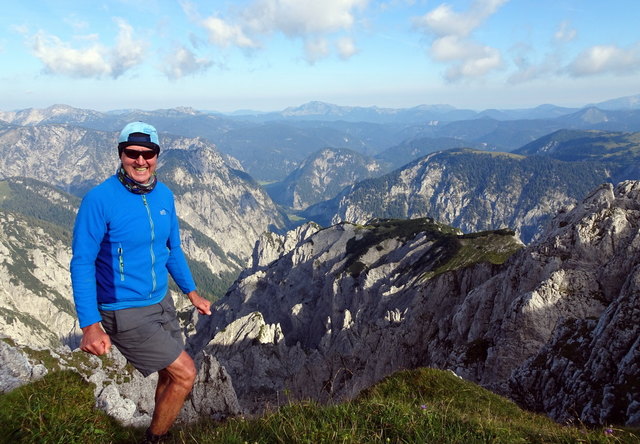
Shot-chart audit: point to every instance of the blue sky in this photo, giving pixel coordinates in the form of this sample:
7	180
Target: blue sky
270	54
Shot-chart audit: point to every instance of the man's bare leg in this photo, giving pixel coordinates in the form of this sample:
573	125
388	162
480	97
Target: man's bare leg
174	384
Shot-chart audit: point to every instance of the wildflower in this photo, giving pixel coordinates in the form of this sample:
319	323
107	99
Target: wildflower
608	432
423	407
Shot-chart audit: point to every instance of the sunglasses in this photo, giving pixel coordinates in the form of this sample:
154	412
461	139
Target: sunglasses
134	154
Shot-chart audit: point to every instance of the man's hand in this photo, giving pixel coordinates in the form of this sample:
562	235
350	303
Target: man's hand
203	305
95	340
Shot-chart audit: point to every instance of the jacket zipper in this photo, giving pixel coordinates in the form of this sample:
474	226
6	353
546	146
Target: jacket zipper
153	256
121	261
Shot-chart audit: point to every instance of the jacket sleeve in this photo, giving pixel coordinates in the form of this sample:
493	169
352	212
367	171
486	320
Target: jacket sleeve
88	232
177	263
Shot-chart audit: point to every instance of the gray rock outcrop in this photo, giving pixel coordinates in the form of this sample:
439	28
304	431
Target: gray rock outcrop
590	366
16	369
121	391
350	304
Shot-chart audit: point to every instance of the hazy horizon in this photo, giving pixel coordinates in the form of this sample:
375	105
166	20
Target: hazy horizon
636	97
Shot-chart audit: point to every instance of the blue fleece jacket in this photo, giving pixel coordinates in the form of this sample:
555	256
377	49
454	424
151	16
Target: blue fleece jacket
124	246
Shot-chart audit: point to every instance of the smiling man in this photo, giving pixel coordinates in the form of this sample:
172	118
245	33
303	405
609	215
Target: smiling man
126	242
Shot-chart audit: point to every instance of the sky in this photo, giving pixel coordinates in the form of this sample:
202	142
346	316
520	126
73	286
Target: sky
267	55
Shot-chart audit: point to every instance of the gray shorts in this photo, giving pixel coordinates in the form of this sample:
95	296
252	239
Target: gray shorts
149	337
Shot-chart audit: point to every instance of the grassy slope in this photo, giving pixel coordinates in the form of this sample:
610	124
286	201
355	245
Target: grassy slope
417	406
451	249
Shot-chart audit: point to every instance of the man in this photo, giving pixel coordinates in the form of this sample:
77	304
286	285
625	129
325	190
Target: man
125	243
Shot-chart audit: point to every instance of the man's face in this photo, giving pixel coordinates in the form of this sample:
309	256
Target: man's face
136	166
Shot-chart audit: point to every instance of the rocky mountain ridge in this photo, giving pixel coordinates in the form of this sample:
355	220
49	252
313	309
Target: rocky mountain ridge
35	289
472	190
348	305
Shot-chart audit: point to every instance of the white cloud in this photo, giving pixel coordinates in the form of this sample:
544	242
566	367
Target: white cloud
443	21
59	58
453	45
311	21
299	18
346	48
223	34
127	53
183	62
95	60
316	49
475	61
606	59
565	33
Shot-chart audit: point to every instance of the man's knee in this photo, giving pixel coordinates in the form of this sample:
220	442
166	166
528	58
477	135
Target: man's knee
191	373
183	371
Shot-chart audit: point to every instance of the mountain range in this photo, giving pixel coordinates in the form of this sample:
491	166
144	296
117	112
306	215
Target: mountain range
271	147
340	250
472	190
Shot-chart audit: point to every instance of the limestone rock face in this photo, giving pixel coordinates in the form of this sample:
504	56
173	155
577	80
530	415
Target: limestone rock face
590	366
470	190
331	316
35	289
270	246
219	202
348	305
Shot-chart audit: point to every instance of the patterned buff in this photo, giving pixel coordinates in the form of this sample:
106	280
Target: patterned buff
133	186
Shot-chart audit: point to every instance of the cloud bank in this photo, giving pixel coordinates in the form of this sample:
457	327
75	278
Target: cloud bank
453	45
602	59
316	24
331	28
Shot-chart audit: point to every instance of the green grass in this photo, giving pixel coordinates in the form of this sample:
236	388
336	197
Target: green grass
417	406
57	409
485	246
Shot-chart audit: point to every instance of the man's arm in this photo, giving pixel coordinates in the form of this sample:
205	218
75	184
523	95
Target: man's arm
95	340
88	231
179	269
